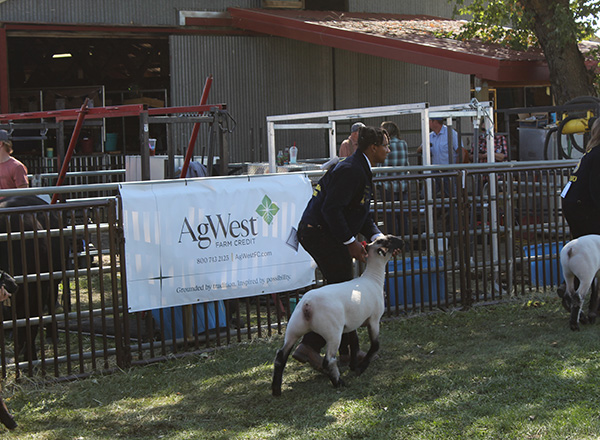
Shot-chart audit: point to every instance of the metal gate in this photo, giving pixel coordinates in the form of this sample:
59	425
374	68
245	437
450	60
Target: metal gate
67	317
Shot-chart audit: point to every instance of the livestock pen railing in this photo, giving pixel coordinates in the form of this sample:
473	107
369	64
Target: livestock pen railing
473	234
94	162
487	232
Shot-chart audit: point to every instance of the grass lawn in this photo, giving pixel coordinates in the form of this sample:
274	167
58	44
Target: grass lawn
507	371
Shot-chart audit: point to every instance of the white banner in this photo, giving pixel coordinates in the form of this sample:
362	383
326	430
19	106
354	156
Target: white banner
189	241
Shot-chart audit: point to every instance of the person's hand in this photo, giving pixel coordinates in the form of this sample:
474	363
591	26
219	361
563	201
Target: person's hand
396	252
357	251
4	295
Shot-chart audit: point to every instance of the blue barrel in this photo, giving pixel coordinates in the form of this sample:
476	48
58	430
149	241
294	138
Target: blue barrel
177	314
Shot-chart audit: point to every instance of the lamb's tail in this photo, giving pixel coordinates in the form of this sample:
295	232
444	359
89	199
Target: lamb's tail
307	311
570	253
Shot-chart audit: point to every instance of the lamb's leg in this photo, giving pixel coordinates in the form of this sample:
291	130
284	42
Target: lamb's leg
569	290
568	299
577	299
575	311
330	365
280	360
352	339
571	285
5	417
373	328
593	307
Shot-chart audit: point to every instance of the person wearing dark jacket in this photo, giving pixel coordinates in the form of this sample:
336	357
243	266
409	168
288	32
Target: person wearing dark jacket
581	201
581	195
337	212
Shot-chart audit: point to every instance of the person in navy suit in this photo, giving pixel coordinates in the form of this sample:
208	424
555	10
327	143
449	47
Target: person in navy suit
337	212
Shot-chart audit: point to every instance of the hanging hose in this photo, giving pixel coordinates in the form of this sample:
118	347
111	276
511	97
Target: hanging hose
561	126
561	152
547	142
584	100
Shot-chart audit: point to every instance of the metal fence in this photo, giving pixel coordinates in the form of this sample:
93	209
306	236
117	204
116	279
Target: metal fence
473	234
485	234
66	318
44	165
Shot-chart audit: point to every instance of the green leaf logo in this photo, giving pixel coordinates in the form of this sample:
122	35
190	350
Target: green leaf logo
267	209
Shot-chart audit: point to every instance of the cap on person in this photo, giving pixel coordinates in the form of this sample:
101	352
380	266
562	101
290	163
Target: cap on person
4	135
356	126
437	119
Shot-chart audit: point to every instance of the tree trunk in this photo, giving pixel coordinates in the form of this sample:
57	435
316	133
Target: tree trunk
569	76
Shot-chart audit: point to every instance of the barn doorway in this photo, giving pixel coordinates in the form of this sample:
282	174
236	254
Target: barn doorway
59	70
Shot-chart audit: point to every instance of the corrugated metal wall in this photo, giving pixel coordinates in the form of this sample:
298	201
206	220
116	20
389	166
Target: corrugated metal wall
365	81
256	77
262	76
123	12
166	12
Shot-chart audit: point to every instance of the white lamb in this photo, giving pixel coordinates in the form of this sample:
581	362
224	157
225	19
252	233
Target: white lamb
341	308
580	258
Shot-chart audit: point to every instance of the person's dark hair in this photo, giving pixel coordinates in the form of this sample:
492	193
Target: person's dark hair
370	135
391	128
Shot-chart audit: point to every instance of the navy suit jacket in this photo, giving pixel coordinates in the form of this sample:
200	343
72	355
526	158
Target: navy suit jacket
341	201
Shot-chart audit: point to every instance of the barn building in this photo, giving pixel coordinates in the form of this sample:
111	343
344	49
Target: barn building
266	58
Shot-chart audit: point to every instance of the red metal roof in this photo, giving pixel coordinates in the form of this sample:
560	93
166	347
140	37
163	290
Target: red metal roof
406	38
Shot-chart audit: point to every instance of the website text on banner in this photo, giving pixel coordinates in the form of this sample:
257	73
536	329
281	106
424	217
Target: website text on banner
189	241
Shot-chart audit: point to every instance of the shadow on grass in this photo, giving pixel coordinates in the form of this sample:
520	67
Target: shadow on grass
508	371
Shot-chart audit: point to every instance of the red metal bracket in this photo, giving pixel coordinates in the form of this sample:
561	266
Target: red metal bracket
196	129
65	165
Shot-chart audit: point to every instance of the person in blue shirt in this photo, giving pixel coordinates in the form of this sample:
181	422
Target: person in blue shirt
440	155
438	139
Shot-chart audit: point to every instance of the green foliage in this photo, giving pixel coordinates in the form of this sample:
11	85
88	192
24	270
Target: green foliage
511	22
496	21
587	13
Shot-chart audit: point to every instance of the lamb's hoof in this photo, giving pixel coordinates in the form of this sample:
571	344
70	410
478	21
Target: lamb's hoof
340	383
9	422
362	366
360	369
276	392
591	318
575	327
583	319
